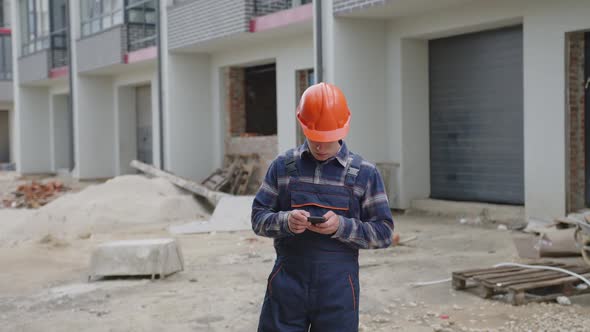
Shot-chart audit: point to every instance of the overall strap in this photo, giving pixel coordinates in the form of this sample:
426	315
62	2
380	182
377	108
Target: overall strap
353	170
291	165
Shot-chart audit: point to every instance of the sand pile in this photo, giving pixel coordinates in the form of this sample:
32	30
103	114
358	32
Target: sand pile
124	200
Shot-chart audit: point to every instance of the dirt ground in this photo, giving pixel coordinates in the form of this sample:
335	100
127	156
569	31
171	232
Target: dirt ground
45	288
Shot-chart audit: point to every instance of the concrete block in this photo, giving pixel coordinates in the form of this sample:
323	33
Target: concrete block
151	257
231	214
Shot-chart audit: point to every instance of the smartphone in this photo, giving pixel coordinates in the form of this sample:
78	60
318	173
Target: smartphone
316	220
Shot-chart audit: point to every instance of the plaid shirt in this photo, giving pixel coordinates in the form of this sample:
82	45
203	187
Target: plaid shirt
375	226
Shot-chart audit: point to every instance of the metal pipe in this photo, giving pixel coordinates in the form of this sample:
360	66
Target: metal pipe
319	72
160	87
71	88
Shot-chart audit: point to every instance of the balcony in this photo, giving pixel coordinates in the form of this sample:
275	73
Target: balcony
195	22
111	37
43	51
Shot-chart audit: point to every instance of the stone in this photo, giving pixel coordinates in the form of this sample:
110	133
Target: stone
161	257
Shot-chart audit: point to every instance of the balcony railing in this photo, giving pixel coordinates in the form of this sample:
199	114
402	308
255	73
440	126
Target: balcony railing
140	16
5	57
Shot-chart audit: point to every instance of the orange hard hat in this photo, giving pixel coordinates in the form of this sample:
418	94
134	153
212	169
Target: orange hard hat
323	113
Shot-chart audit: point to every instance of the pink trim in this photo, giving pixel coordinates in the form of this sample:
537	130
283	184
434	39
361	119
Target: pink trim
59	72
5	31
142	55
282	18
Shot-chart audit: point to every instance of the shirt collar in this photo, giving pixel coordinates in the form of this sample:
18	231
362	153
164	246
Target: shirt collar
341	156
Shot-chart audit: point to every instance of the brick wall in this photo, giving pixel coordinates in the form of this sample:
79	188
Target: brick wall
302	84
236	101
347	6
576	109
197	21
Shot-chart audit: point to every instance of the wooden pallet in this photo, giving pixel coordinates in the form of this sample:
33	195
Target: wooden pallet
522	285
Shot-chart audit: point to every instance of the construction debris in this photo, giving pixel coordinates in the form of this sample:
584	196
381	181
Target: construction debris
235	177
231	214
153	257
34	195
121	202
521	285
211	196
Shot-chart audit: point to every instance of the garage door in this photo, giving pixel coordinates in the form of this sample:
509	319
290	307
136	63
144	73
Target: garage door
476	117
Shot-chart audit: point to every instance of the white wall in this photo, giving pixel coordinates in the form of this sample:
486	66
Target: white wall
415	121
545	24
545	116
357	65
33	130
126	139
188	131
94	127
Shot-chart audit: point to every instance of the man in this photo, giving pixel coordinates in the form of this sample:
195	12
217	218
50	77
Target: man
314	282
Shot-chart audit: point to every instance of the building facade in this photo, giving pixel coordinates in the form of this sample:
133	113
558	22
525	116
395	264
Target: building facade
467	100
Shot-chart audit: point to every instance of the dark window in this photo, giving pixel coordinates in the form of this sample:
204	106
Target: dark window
261	100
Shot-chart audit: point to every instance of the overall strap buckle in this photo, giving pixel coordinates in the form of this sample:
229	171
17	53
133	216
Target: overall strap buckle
353	170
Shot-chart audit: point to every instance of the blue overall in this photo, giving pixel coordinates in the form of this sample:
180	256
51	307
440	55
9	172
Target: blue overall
314	281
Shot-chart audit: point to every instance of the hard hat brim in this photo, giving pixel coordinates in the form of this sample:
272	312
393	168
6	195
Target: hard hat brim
325	135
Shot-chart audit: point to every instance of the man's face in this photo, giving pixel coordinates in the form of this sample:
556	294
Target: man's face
323	150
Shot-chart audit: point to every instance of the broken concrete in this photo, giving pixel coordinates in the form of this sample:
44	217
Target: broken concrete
231	214
151	257
511	216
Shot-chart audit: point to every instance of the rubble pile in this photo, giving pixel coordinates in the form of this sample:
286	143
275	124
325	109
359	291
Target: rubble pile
34	195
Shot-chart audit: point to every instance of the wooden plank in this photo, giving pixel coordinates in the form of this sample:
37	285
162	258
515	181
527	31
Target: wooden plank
539	276
458	282
473	273
212	196
527	273
489	271
547	283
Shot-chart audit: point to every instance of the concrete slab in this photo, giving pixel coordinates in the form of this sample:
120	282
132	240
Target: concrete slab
232	213
153	257
487	213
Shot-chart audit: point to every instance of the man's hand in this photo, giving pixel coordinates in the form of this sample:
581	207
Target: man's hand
329	227
298	221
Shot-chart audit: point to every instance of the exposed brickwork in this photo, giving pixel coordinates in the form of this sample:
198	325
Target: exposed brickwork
576	108
236	103
348	6
303	77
